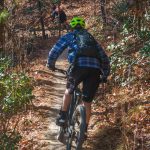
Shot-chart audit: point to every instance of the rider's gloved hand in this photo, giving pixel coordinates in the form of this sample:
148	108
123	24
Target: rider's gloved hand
51	66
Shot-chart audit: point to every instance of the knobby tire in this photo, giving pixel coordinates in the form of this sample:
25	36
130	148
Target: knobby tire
80	110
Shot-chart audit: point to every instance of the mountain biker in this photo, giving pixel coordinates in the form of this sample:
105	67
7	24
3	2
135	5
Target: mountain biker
84	68
58	14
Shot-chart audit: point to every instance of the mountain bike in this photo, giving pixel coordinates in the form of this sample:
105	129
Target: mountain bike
73	133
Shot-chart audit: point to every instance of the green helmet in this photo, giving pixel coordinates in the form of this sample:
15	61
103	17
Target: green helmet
77	21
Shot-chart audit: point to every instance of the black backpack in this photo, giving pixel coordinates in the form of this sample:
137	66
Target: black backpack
87	45
62	16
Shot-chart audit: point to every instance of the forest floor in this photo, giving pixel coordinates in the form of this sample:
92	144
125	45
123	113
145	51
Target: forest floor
37	125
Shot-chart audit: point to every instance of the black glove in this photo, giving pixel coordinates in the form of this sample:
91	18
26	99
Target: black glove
51	66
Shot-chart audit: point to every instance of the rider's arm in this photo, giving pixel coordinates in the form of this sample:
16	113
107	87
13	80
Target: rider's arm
57	49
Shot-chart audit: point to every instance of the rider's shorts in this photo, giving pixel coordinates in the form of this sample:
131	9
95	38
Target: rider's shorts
89	77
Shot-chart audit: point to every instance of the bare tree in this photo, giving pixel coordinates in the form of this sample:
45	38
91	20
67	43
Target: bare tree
103	10
1	27
41	18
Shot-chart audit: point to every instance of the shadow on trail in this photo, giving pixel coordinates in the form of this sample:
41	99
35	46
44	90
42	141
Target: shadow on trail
44	108
107	139
56	75
49	82
44	82
46	111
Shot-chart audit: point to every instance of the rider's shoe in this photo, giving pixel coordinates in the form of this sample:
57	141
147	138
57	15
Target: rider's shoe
61	120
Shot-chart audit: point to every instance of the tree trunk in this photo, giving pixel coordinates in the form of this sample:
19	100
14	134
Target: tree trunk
41	19
1	28
94	7
103	10
138	9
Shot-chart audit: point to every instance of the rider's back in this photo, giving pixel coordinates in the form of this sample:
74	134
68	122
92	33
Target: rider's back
87	45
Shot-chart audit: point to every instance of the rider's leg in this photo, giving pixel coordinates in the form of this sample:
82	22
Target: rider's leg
88	111
88	115
90	86
72	81
61	119
66	100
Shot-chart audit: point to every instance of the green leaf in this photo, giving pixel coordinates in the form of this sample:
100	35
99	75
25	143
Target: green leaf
3	16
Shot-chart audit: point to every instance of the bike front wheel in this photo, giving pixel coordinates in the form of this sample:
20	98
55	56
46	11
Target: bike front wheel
78	128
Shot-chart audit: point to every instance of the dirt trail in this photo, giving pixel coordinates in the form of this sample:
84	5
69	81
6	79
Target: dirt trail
39	128
53	87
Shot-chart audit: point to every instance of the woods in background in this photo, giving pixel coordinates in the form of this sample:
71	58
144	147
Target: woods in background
123	28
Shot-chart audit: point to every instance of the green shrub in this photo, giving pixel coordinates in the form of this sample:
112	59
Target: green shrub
15	95
145	50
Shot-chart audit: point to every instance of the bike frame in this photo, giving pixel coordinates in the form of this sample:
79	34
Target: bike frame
76	100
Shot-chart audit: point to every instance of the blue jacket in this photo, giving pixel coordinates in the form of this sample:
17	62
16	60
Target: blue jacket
69	41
